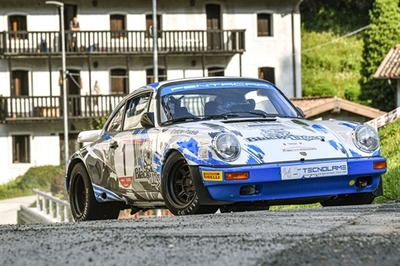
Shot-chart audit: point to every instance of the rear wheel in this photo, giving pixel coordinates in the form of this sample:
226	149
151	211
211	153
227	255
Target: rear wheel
178	190
351	199
84	206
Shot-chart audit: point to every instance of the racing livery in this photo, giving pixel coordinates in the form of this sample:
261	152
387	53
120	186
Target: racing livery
235	144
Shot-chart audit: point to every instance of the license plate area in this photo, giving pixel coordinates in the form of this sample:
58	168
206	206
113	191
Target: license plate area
313	170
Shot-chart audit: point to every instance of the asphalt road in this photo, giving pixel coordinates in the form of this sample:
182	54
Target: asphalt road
10	207
351	235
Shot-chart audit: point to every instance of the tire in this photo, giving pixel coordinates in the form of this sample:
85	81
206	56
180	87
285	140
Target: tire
244	206
83	204
351	199
178	190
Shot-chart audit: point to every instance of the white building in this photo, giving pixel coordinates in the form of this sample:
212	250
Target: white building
112	54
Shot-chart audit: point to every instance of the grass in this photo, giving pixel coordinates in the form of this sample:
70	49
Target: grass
331	70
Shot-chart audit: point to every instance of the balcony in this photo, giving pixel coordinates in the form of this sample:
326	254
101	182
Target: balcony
24	43
36	108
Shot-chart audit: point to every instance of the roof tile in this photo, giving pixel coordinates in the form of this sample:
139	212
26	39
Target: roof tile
390	66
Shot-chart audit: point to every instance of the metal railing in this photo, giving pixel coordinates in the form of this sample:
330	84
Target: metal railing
174	41
50	107
52	208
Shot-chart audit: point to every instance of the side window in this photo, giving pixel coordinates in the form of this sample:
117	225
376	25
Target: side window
136	107
115	123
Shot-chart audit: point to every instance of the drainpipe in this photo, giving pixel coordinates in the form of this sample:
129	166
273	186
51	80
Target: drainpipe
295	8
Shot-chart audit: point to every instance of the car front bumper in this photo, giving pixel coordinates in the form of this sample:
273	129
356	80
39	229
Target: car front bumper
266	182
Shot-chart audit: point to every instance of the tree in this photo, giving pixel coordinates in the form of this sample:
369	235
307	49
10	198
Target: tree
382	35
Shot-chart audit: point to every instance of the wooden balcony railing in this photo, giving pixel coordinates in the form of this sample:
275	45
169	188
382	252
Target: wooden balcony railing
28	108
114	42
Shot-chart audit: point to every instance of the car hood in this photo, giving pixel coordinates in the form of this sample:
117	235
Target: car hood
285	139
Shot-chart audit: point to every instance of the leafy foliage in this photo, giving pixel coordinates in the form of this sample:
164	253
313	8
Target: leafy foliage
390	143
333	69
332	66
97	123
339	17
40	177
383	34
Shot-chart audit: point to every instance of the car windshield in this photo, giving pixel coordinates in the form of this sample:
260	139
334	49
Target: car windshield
201	102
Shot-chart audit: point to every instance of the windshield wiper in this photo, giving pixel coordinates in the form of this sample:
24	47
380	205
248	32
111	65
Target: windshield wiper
185	118
223	116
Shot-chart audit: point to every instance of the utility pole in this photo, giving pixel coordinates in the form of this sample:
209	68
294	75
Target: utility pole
64	73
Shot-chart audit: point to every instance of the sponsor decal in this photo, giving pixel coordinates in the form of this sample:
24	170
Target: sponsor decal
272	134
299	149
125	181
184	131
212	175
313	170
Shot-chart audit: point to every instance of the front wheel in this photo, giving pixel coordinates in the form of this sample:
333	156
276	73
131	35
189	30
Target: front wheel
84	206
178	189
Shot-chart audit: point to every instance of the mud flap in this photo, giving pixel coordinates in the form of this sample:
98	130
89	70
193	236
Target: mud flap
379	190
201	190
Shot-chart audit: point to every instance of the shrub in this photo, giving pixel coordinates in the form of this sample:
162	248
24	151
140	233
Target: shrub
40	177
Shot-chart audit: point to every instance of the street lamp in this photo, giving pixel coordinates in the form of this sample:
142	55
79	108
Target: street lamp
64	72
155	46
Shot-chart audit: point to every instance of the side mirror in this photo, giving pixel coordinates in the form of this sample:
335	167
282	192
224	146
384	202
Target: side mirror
147	120
88	136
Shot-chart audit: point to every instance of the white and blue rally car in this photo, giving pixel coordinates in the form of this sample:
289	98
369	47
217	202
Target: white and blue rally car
230	143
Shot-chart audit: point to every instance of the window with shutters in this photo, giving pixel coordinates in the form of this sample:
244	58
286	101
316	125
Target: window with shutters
117	26
119	81
162	75
267	73
21	149
216	71
20	86
17	27
264	25
149	26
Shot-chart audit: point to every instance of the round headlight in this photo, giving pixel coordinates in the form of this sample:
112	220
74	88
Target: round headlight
227	146
366	138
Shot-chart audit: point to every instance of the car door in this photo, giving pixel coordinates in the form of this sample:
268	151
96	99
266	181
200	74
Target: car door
132	152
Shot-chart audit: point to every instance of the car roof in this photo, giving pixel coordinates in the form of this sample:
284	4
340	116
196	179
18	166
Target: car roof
157	86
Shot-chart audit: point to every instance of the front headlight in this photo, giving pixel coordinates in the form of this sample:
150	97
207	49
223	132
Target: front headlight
366	138
227	146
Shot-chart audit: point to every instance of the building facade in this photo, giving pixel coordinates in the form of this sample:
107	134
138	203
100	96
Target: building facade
116	49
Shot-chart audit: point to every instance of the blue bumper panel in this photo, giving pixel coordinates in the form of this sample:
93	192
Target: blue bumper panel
265	181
